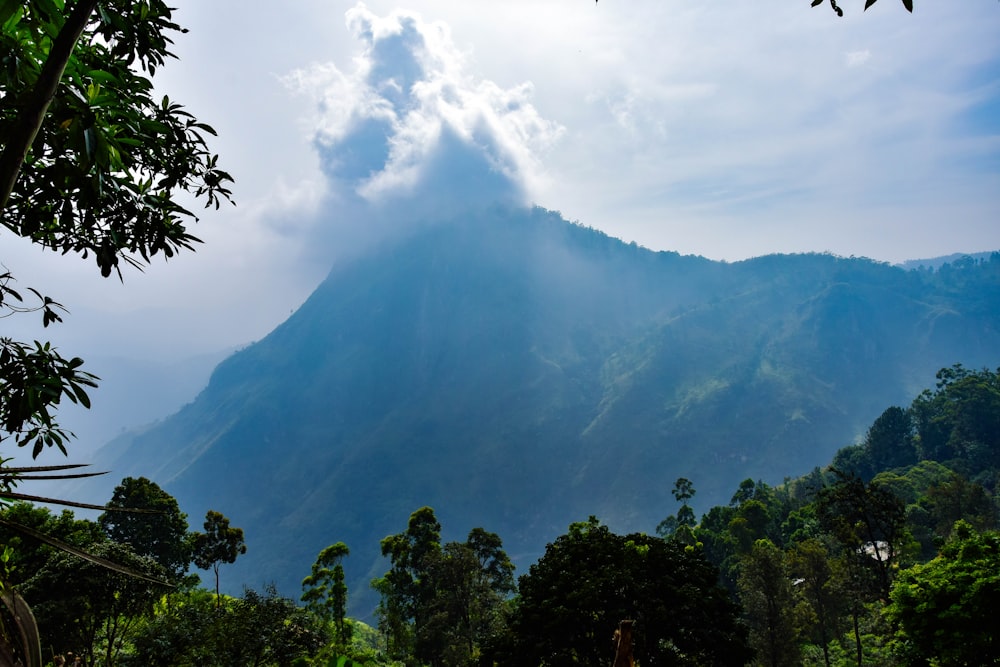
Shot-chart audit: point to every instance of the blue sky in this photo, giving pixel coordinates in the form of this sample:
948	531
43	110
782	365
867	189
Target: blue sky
725	129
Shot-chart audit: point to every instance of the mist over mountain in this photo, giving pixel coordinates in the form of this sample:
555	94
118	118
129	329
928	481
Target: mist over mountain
518	372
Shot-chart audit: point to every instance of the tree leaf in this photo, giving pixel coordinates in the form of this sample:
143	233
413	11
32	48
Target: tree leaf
8	8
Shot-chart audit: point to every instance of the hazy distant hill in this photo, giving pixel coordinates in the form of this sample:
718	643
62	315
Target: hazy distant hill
937	262
518	372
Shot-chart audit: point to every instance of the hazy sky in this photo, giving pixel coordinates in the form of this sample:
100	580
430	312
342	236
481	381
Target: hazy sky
725	129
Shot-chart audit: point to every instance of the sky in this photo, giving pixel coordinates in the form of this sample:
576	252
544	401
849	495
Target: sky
725	129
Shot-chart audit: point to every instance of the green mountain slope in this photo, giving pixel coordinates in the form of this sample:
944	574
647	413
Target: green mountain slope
517	372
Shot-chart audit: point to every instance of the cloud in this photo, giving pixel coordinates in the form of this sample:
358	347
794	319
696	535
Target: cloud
858	58
412	124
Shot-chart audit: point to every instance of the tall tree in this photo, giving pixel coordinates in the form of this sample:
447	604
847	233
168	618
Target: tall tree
680	526
148	519
325	590
220	543
889	440
768	600
869	522
820	583
466	616
406	588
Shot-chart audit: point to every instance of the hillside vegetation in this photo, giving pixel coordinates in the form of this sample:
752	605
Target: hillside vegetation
887	556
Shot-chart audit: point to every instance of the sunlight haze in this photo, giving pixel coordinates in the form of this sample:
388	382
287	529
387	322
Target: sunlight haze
728	130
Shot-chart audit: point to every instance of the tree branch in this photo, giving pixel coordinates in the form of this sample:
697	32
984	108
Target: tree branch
33	113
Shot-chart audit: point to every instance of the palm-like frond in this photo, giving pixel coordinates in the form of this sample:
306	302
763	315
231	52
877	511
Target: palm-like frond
25	647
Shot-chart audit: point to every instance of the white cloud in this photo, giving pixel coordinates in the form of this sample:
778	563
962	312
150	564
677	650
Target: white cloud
411	122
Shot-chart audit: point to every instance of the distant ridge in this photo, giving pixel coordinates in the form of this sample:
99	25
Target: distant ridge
518	372
938	262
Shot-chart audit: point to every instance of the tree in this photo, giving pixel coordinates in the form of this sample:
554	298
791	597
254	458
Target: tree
326	591
92	165
889	441
572	600
869	522
465	616
406	588
188	628
85	607
266	629
218	544
680	527
945	609
960	419
820	584
768	601
182	630
444	605
148	519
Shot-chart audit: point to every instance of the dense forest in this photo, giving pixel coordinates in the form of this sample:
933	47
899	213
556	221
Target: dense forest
888	556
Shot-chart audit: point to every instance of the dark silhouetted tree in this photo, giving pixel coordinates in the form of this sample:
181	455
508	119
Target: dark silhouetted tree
572	600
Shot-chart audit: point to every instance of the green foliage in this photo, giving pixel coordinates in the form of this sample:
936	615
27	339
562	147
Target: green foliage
869	522
219	544
680	526
444	605
33	380
960	420
148	519
820	584
945	610
847	535
85	607
590	579
467	616
325	592
406	588
91	164
103	166
20	643
768	599
29	555
261	629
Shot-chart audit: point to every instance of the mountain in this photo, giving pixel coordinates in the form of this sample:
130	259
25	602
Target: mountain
518	372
